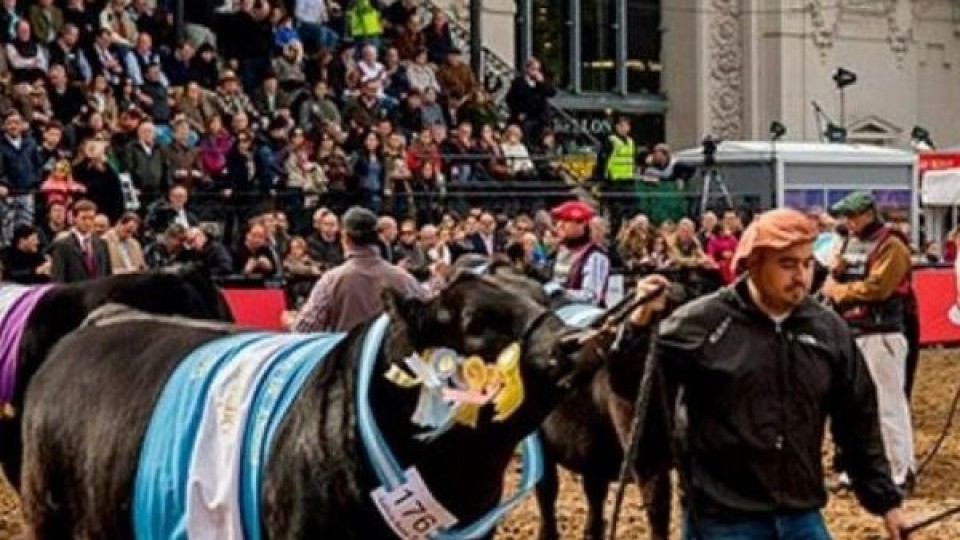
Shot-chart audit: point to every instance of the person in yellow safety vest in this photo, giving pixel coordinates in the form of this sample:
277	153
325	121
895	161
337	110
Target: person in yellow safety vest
364	24
621	153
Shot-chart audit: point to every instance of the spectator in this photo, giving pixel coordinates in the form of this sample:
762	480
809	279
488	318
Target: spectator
686	250
121	27
528	100
319	110
123	248
398	15
21	167
101	224
411	256
27	59
252	257
22	261
154	96
353	293
370	173
581	268
167	250
300	270
487	240
202	247
60	186
100	178
9	15
409	41
495	165
100	99
364	24
54	225
421	75
147	165
46	20
172	211
479	111
183	159
65	51
721	247
517	155
438	38
323	242
456	78
79	255
66	101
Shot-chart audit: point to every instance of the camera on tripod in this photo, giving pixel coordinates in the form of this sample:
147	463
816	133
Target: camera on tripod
710	150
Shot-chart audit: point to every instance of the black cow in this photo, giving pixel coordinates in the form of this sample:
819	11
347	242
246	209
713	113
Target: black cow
181	290
83	434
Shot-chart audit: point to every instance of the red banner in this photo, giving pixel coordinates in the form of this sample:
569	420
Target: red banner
257	308
937	298
936	161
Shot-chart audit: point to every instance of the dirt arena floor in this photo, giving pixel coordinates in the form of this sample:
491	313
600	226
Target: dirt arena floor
938	488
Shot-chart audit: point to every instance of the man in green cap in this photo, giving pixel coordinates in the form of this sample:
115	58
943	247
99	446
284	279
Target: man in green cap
870	287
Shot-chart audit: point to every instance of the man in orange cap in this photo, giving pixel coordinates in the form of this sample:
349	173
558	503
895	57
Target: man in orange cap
759	367
581	268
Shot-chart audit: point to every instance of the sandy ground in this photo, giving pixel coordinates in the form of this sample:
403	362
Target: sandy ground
938	488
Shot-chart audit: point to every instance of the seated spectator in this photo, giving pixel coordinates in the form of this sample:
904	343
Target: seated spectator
409	41
494	165
323	242
399	15
203	247
100	98
54	224
550	158
633	243
304	176
101	224
721	247
421	74
479	110
253	257
146	164
167	250
66	101
456	78
685	248
396	83
126	254
289	71
154	96
214	148
60	186
431	112
172	211
46	20
117	20
516	154
184	159
300	270
318	110
409	114
22	261
27	59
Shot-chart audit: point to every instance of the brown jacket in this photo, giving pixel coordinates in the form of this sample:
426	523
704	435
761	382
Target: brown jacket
891	264
457	81
135	253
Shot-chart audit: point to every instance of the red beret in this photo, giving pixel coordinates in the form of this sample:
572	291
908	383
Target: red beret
576	211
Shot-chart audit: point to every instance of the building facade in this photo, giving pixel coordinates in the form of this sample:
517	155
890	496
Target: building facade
728	68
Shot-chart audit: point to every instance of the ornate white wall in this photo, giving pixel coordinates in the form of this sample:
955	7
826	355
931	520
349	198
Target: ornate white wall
732	66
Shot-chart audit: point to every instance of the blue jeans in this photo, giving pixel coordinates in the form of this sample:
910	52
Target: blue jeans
783	526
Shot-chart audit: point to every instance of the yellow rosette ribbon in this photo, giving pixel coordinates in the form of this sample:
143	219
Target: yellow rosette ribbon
511	395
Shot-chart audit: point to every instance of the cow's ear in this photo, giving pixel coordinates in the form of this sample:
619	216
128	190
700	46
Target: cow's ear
412	312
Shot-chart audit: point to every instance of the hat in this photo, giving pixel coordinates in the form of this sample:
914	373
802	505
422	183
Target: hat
776	229
576	211
227	75
360	225
853	204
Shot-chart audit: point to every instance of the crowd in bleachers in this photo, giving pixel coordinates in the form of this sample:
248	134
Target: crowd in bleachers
256	108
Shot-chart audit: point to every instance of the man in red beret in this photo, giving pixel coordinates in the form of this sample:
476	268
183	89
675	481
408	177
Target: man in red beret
581	267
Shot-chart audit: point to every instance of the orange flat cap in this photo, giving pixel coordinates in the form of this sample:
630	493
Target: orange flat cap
776	229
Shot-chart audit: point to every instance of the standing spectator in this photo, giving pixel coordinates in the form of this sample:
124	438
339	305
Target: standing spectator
870	285
529	100
20	167
101	180
22	261
80	255
438	38
123	248
370	173
364	24
581	268
147	164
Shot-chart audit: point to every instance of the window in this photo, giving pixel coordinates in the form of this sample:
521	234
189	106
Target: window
643	46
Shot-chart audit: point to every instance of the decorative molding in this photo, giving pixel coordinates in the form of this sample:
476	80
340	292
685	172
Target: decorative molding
900	21
825	20
726	70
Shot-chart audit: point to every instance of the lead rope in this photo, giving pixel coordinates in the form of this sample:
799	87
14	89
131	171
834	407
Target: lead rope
636	428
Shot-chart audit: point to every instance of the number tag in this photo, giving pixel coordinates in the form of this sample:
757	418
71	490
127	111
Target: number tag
410	510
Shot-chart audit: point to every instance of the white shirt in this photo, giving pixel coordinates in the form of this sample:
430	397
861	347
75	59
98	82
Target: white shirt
311	11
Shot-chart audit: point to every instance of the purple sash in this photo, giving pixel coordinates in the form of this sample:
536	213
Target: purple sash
16	305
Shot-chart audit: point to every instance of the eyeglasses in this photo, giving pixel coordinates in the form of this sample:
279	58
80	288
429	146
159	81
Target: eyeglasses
408	232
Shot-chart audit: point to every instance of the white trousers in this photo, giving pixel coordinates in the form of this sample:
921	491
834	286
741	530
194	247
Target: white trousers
886	357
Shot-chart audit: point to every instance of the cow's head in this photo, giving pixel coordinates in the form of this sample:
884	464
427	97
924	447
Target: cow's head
487	337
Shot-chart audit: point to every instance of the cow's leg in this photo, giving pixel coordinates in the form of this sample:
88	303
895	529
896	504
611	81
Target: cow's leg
657	493
547	499
595	488
44	504
10	450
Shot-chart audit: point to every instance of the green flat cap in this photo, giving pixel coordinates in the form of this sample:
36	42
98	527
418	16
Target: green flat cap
853	204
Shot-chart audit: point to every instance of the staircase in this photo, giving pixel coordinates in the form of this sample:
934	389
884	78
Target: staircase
498	73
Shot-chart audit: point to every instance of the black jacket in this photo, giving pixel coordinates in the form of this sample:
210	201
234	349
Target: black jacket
752	401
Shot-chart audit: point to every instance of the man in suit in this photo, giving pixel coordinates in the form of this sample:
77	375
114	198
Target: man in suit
80	255
126	253
487	240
